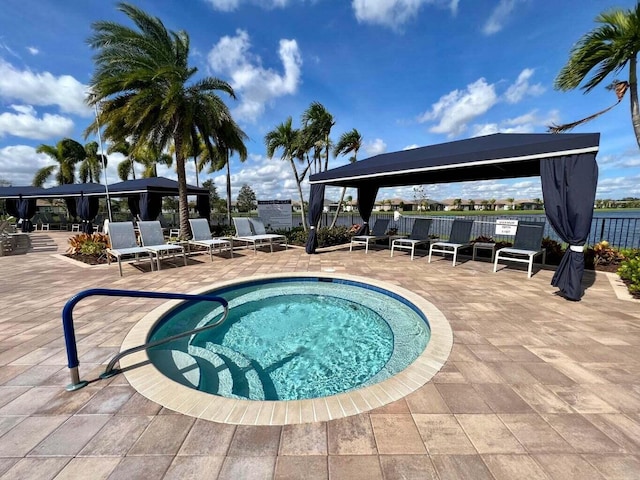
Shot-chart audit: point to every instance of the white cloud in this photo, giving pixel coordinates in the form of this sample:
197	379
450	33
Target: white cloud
255	85
454	110
498	17
374	147
527	123
395	13
522	88
411	147
43	89
19	163
231	5
33	50
26	124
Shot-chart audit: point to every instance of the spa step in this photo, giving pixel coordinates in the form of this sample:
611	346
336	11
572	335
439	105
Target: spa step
247	383
177	365
215	375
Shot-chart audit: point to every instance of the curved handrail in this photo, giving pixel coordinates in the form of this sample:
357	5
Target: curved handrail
70	336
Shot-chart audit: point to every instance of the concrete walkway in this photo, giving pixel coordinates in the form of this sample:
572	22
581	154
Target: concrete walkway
535	386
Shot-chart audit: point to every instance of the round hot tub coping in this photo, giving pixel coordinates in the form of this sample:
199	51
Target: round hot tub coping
151	383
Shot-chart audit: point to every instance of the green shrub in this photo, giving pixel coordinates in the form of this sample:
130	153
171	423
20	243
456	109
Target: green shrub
327	237
629	272
93	245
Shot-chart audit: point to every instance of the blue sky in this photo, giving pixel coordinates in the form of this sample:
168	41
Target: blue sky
405	73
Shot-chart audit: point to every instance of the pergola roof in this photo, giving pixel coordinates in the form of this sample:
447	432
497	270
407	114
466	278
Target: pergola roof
19	191
501	155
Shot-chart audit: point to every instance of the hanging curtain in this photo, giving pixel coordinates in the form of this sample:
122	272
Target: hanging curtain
366	200
12	207
134	205
150	206
87	208
316	203
70	202
26	210
569	191
203	206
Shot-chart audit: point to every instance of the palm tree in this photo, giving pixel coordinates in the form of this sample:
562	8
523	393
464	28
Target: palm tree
510	201
608	49
142	85
67	153
285	138
127	166
349	142
317	123
91	166
457	203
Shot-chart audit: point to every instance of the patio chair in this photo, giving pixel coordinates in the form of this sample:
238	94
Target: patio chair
258	229
122	239
458	239
244	233
152	239
202	237
378	232
419	236
527	244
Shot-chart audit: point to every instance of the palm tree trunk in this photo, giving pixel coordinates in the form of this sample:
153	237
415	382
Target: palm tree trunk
298	183
195	162
633	89
226	154
183	205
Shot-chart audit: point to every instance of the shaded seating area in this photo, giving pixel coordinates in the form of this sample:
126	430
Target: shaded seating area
202	238
378	232
123	243
246	235
458	240
527	245
419	236
152	239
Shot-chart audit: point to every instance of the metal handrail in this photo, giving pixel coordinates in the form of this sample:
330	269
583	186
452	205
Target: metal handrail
70	336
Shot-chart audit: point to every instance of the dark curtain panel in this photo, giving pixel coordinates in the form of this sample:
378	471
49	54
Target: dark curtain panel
316	203
150	206
26	210
366	200
134	205
87	208
203	206
569	191
12	207
70	202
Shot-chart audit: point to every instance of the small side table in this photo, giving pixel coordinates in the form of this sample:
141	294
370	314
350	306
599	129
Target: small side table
484	246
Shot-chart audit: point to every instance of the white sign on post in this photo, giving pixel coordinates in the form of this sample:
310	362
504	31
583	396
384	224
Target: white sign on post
276	214
506	227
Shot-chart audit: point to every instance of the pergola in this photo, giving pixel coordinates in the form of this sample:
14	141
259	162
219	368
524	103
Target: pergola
566	164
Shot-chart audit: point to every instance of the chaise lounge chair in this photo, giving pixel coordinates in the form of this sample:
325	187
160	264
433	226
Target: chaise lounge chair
244	233
526	246
258	229
122	239
378	232
202	237
458	239
419	236
152	239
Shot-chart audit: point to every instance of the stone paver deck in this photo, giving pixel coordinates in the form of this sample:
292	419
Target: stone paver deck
535	386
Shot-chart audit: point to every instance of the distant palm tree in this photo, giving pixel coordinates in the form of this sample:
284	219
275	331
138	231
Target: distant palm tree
67	153
349	142
285	138
127	166
510	202
317	123
91	167
457	203
141	84
607	49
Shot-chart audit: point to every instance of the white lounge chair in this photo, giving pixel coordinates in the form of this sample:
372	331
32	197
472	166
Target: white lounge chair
419	236
458	239
378	232
152	239
244	233
202	237
526	246
122	239
258	229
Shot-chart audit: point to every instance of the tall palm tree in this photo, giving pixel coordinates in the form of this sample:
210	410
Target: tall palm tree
143	85
127	166
605	50
317	123
229	138
348	142
285	138
91	167
67	153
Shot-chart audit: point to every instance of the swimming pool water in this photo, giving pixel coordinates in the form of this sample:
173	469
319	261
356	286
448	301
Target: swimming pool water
292	339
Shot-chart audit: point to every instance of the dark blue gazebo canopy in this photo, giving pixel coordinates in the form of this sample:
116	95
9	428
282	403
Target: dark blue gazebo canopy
20	191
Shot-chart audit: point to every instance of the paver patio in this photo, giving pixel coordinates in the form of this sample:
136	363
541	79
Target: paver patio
535	386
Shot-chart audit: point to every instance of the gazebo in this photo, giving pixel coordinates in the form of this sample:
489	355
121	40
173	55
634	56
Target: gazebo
566	164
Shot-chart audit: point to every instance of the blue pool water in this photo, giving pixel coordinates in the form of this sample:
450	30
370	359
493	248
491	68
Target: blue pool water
291	339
